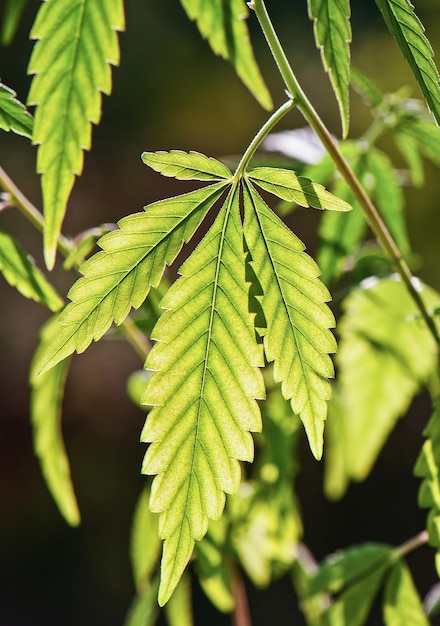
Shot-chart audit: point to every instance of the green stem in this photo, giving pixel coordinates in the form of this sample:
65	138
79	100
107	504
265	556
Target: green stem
371	214
262	133
412	544
137	339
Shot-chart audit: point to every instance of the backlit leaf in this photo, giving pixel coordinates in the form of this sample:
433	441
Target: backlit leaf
207	352
11	18
333	35
408	31
13	114
132	260
402	605
144	542
223	24
186	165
45	406
297	339
20	271
77	43
179	608
288	186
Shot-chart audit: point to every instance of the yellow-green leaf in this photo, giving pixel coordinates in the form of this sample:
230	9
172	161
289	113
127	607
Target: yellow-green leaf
13	114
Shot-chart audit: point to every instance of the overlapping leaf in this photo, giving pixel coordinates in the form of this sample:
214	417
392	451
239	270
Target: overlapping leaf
401	604
408	31
288	186
203	390
223	24
297	339
385	355
13	114
71	62
132	260
186	165
45	406
20	271
333	35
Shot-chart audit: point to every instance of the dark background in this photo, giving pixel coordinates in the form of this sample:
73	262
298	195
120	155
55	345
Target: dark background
171	92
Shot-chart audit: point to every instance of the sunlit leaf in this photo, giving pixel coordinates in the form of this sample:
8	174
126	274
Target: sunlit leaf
207	351
368	90
45	407
223	24
297	339
77	43
19	269
132	260
144	610
178	610
408	31
11	19
401	604
333	35
186	165
144	542
13	114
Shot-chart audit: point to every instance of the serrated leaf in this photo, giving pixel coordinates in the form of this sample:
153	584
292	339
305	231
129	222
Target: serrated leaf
208	353
11	18
385	355
178	610
223	24
144	542
333	35
186	165
285	184
297	339
13	114
408	32
45	408
132	260
402	605
19	269
77	43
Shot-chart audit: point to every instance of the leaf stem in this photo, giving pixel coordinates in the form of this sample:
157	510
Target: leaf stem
412	544
240	615
371	214
134	336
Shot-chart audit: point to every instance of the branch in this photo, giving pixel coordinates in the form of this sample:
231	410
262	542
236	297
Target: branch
240	615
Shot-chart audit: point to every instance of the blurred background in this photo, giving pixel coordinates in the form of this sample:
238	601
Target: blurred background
171	92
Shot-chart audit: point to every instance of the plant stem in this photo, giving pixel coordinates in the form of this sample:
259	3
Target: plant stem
240	614
135	337
371	214
412	544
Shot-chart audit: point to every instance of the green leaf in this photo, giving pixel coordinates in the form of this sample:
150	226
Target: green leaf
179	608
144	542
223	24
144	610
402	605
333	35
385	354
297	337
71	62
285	184
20	271
408	31
186	165
11	18
45	407
367	89
132	260
346	567
13	114
409	149
203	389
426	135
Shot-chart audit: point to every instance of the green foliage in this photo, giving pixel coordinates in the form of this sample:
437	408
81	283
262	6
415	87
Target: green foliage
70	62
11	18
402	604
13	114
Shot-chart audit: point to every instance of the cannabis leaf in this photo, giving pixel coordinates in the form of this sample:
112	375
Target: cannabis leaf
186	165
13	114
45	406
203	389
223	24
20	271
297	337
408	31
71	62
385	355
333	35
401	604
285	184
11	18
132	260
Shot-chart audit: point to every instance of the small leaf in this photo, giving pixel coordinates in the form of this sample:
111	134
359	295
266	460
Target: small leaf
333	35
186	165
144	610
179	608
426	134
285	184
144	542
298	338
20	271
368	90
13	114
408	31
223	24
11	19
45	406
402	605
207	351
133	259
71	63
409	149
